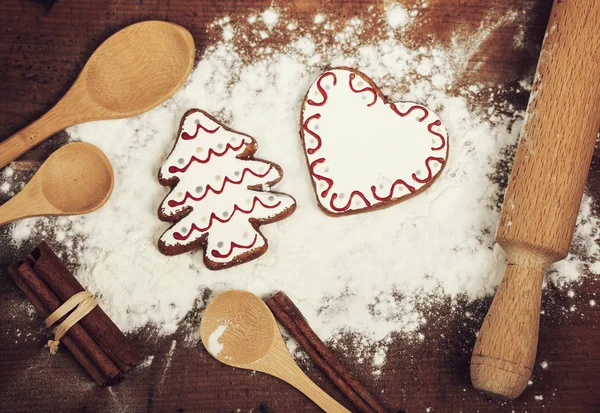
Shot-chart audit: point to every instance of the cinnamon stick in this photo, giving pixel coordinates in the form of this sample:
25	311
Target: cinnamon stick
81	345
99	326
290	316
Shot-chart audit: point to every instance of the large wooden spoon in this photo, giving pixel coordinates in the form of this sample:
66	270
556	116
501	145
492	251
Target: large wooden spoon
133	71
239	330
76	179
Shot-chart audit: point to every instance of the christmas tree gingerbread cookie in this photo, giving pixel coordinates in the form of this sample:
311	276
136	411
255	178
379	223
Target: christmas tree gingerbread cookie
220	193
362	152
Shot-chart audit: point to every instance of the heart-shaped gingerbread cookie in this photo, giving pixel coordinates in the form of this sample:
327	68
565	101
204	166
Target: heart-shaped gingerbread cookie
362	152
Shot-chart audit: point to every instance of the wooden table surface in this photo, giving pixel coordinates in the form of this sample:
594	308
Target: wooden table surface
44	44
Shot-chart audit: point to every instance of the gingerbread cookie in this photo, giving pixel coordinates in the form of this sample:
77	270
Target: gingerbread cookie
220	193
362	152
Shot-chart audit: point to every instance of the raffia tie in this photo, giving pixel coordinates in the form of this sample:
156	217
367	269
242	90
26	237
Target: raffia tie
81	304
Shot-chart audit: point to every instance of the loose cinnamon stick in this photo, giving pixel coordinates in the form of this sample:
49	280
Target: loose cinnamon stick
288	314
77	341
60	280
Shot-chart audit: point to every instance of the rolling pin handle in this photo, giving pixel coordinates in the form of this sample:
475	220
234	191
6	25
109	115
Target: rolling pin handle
504	353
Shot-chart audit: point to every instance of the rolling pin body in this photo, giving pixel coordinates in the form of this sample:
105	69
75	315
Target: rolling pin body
543	195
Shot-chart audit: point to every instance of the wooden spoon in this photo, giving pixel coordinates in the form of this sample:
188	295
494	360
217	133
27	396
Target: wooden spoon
133	71
76	179
239	330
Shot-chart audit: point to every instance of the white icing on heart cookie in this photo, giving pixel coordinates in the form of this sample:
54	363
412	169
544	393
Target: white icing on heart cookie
220	193
363	153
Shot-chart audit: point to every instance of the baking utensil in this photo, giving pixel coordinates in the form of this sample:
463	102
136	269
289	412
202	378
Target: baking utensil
133	71
543	195
239	330
76	179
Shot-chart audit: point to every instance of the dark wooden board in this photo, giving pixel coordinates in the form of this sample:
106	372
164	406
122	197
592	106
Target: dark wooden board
44	44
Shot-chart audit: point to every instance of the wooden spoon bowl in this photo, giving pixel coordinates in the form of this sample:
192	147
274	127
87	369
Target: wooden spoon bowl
133	71
239	330
76	179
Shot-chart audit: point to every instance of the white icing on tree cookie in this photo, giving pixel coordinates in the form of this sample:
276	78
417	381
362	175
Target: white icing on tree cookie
363	153
220	193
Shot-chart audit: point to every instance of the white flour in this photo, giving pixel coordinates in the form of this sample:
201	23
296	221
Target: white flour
366	273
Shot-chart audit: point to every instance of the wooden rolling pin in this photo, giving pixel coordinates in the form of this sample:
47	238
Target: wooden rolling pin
543	195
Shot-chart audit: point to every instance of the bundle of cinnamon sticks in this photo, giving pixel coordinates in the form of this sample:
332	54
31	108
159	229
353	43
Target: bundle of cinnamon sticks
291	318
95	341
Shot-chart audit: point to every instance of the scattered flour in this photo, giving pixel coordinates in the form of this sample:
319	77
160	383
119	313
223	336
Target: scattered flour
373	273
214	345
397	16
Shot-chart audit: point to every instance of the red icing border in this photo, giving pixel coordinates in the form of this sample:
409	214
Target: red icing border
173	203
236	208
233	245
186	136
174	169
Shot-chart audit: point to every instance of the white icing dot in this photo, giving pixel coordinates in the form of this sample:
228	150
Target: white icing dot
179	193
220	146
248	200
237	173
361	83
184	230
181	161
233	138
225	214
197	122
381	186
327	87
321	184
199	149
218	177
341	196
326	169
203	219
271	198
364	97
199	189
220	244
316	127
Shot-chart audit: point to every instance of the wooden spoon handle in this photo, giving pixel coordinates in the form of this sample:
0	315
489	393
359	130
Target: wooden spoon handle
32	135
29	202
504	353
288	371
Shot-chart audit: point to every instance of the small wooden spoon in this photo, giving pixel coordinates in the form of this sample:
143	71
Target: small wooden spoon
239	330
76	179
133	71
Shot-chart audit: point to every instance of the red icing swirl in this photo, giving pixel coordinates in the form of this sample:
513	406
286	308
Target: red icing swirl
411	109
429	174
429	128
311	151
345	207
387	198
329	181
233	245
322	91
365	89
